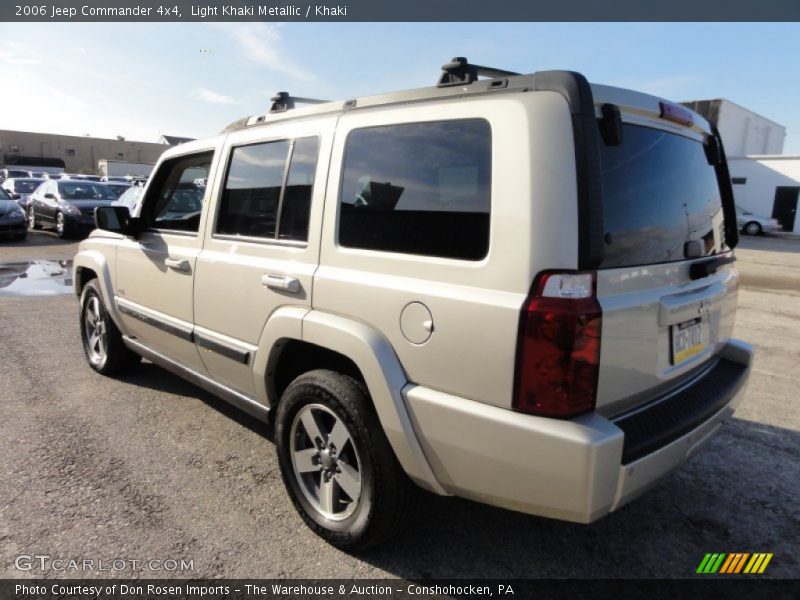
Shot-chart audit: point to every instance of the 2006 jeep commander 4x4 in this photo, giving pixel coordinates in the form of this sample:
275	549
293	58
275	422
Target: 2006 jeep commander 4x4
516	289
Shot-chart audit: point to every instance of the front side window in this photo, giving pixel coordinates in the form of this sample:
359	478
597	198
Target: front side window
175	201
418	188
264	199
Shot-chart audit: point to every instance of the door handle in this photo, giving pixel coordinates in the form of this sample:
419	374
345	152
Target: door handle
281	282
177	264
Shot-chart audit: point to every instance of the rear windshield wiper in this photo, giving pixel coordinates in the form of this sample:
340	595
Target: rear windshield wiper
699	270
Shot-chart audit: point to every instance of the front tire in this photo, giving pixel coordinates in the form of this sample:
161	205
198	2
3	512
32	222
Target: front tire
61	226
336	462
752	228
32	223
102	341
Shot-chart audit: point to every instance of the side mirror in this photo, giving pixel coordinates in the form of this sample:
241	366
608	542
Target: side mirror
50	196
116	219
15	196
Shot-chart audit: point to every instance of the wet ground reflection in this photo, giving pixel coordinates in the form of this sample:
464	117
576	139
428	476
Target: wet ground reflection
36	278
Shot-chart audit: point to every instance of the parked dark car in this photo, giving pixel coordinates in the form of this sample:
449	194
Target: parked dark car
20	188
68	205
12	218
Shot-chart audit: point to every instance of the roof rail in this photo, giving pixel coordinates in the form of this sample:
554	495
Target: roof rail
460	72
282	101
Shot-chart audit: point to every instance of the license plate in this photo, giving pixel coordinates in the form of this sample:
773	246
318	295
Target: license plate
687	340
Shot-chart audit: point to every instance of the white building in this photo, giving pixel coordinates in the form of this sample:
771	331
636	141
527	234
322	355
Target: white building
765	181
768	186
743	132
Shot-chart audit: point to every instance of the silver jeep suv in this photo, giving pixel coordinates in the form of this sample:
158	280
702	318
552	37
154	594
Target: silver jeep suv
517	289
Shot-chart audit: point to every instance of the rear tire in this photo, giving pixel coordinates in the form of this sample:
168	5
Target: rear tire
337	465
105	351
752	228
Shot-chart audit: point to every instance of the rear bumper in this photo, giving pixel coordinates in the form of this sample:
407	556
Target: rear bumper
580	469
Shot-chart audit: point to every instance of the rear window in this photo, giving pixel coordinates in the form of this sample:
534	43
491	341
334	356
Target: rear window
24	186
659	192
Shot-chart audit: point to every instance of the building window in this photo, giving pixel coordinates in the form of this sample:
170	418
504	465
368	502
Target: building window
70	152
13	147
418	188
739	180
120	155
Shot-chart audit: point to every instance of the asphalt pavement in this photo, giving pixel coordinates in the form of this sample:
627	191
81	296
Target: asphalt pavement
149	467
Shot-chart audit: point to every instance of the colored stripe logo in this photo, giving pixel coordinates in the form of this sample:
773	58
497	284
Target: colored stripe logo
734	563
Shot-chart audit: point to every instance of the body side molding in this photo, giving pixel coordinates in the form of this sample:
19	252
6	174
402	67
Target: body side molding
242	401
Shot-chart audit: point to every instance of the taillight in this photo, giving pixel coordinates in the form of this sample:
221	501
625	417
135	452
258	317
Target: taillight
558	348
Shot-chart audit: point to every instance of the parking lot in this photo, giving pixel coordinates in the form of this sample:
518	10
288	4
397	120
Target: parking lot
149	467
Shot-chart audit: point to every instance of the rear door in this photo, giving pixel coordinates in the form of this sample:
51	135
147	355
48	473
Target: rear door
662	213
262	247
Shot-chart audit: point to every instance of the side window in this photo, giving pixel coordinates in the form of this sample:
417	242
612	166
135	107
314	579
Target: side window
296	205
418	188
249	204
262	198
175	200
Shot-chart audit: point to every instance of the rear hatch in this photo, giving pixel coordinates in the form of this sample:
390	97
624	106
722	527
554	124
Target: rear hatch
663	193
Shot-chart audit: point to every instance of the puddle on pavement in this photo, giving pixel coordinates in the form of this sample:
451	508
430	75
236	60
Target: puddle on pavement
36	278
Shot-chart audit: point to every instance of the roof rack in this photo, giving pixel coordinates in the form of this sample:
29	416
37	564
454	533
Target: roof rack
283	101
460	72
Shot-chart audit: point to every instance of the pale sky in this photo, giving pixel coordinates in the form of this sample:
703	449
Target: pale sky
191	79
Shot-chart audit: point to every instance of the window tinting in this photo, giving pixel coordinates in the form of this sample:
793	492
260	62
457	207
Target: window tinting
256	198
420	188
296	205
179	190
252	190
85	190
659	192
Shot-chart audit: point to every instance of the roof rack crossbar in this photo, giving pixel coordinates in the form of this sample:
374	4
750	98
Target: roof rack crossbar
460	72
283	101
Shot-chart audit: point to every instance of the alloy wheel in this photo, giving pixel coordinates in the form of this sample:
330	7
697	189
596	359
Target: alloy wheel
326	462
94	331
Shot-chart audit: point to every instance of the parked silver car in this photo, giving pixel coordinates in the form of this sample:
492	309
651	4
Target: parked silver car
753	224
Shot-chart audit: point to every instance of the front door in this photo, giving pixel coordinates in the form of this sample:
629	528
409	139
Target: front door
155	272
785	207
262	247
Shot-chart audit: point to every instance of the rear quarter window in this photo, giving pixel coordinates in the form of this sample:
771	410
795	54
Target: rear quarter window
418	188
